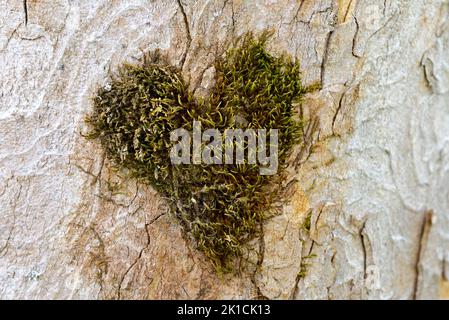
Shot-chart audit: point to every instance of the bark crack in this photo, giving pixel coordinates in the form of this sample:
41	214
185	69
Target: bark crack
25	10
4	249
348	10
422	244
354	40
326	56
444	275
122	279
261	256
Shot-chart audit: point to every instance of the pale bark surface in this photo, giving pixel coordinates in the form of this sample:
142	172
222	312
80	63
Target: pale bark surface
373	171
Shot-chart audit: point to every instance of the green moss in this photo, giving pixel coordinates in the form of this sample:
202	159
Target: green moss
307	224
220	206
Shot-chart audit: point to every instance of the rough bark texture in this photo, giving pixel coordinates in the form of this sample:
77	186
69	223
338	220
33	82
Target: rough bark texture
372	174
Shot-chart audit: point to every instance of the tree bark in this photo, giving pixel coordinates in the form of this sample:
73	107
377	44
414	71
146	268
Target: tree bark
372	173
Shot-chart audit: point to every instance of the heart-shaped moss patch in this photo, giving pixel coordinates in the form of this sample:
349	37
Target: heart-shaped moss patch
220	205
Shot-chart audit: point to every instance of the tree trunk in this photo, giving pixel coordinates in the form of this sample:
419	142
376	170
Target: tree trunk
372	174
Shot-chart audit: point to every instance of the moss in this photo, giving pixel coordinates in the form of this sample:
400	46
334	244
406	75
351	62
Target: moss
220	206
304	266
307	224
